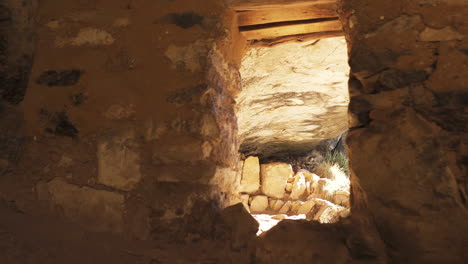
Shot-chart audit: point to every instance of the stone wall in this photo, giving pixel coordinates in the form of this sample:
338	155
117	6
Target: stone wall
274	188
129	126
408	123
17	46
129	121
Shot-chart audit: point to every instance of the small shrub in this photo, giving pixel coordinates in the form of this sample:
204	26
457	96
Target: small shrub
338	158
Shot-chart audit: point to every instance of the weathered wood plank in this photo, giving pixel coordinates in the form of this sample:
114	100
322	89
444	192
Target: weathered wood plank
296	38
294	29
268	4
256	17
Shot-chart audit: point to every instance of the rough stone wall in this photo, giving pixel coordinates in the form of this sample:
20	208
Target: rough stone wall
17	45
129	117
408	124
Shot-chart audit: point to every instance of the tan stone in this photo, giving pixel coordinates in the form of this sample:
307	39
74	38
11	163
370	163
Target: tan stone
278	205
323	190
327	212
306	207
119	160
274	177
285	208
298	187
307	174
259	204
444	34
250	182
99	210
341	198
313	184
279	217
289	187
295	206
87	36
245	201
271	202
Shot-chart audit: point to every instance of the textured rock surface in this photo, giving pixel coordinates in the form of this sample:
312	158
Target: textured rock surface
290	102
250	181
101	210
298	186
274	177
119	160
407	143
258	204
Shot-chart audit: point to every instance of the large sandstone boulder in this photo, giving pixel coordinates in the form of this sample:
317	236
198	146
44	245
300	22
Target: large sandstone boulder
290	102
274	178
250	181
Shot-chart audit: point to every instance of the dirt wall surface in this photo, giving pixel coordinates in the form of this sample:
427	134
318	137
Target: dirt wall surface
128	127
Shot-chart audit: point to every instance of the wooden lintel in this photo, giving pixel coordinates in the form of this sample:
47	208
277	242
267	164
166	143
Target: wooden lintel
295	38
273	4
291	29
255	17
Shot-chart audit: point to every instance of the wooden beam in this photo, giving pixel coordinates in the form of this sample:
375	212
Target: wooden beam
255	17
258	33
295	38
273	4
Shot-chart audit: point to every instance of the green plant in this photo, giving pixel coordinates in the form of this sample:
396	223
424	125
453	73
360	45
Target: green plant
338	158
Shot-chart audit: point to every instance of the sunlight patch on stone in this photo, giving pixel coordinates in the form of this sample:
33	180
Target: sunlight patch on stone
267	221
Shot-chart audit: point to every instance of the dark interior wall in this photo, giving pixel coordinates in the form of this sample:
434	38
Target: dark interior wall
130	108
17	44
408	128
17	47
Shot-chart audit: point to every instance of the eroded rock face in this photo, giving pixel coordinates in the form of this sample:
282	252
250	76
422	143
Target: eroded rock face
290	102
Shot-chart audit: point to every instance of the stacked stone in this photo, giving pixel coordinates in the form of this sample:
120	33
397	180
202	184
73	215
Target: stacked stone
274	188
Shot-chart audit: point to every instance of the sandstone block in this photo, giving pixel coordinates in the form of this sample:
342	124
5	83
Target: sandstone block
119	160
274	177
324	190
277	205
295	206
327	212
306	207
180	149
278	217
259	204
289	187
444	34
341	198
298	187
285	208
312	184
245	201
97	209
250	182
